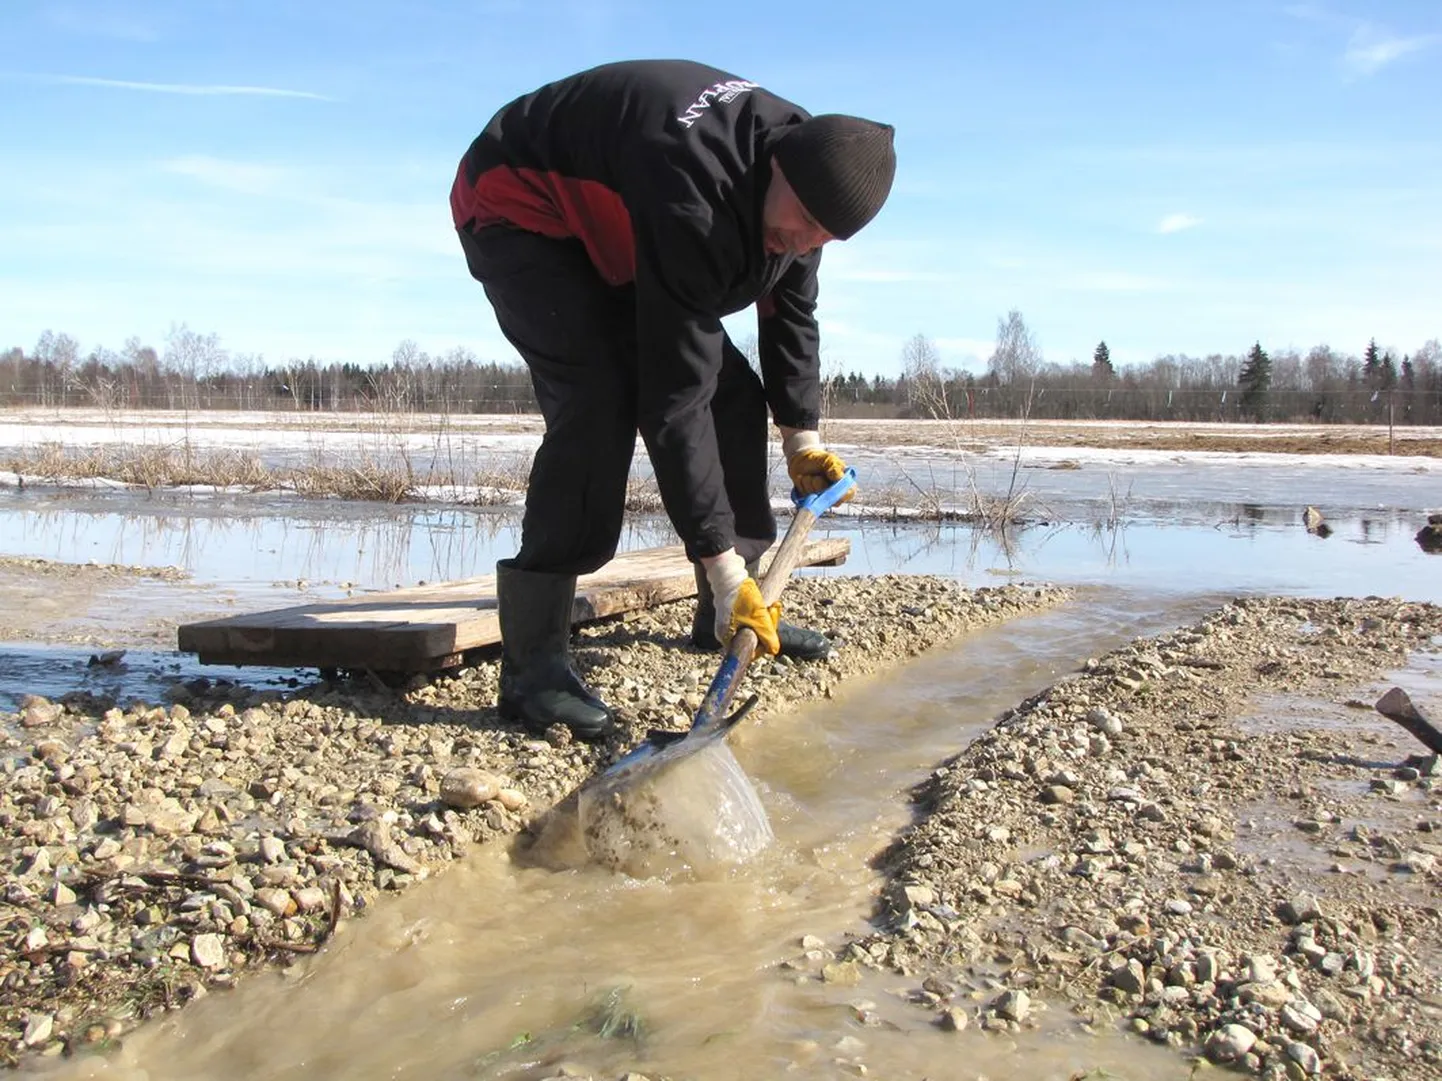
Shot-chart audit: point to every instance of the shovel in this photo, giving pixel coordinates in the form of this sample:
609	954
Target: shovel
711	722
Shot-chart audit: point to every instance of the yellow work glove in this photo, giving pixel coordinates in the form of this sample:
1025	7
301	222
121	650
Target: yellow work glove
738	604
813	468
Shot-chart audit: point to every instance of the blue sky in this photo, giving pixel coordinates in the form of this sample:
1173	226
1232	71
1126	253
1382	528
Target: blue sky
1172	177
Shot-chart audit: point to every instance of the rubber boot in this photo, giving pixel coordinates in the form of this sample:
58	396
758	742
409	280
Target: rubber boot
539	687
798	643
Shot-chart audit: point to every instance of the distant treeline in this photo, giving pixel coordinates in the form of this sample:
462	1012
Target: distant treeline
193	371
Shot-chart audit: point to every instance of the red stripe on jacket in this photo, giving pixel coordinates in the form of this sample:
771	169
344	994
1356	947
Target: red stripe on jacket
555	206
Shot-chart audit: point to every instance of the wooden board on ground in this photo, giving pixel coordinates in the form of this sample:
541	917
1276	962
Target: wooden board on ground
425	628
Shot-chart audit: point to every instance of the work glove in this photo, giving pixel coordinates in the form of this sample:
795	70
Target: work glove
813	468
738	604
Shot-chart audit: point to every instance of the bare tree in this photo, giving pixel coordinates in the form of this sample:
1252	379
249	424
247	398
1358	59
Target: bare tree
1016	357
925	384
193	356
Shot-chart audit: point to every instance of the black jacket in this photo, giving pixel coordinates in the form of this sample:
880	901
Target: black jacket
660	168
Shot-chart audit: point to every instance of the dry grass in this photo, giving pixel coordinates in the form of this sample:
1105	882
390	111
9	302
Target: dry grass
387	473
180	465
167	466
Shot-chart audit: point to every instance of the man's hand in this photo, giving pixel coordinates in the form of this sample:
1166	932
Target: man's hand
738	603
813	468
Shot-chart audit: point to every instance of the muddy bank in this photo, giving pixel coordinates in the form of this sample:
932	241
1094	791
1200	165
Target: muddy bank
1108	849
156	852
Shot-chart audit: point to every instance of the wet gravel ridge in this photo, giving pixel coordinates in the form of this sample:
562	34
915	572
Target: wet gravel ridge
155	852
1097	851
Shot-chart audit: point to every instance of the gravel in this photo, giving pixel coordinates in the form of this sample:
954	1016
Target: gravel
156	851
1147	898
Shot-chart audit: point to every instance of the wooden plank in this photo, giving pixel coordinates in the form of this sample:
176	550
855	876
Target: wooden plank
422	628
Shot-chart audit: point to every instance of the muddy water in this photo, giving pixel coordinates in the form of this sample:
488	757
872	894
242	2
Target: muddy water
497	968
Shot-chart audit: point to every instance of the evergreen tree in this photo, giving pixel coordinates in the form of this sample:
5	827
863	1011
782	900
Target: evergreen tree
1102	363
1387	374
1255	380
1371	362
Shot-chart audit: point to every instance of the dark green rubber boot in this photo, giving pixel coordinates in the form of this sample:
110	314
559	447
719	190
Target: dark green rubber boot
539	687
798	643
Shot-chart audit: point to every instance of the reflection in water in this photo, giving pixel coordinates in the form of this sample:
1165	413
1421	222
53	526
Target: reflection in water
248	546
266	540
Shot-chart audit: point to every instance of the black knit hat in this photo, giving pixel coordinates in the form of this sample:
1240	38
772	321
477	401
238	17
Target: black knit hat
840	167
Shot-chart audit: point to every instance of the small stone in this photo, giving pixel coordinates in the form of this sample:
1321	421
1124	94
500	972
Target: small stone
467	787
1418	863
1013	1005
512	799
272	849
954	1019
40	713
1306	1057
1229	1043
1272	995
276	901
1057	793
841	973
207	951
310	899
1178	907
1302	908
1130	977
1208	967
918	896
38	1027
1301	1017
1261	968
1105	722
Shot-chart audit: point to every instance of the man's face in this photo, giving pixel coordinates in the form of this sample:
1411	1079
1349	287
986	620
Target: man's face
786	226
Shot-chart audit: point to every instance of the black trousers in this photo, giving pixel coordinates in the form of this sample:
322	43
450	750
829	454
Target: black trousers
577	335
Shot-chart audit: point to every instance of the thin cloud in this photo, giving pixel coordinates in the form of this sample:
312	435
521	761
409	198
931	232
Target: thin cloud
1176	223
193	89
1371	49
1370	46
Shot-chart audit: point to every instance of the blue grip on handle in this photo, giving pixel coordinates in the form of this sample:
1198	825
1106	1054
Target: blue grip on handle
819	503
